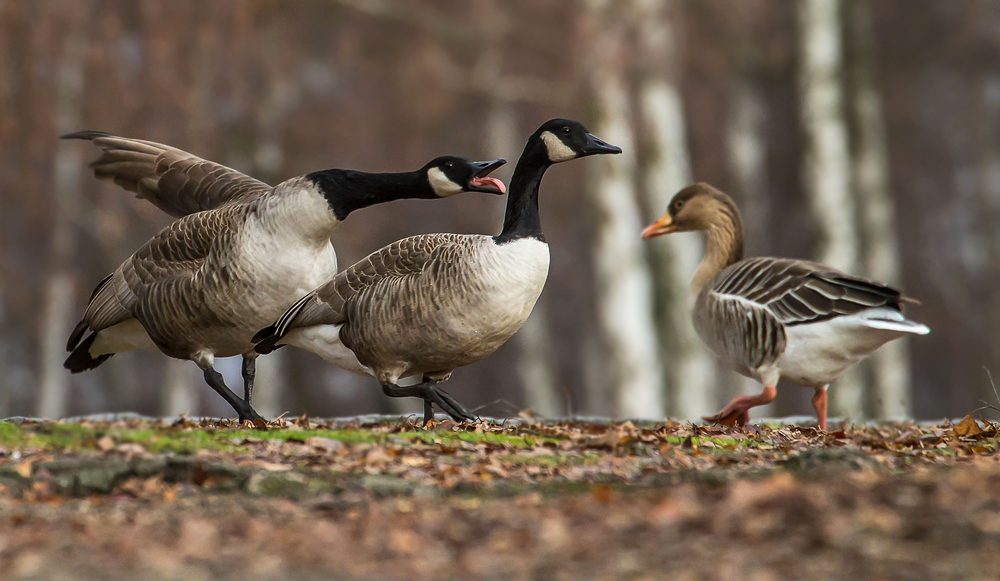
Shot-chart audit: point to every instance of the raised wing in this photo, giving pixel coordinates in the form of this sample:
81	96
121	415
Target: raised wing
171	179
798	292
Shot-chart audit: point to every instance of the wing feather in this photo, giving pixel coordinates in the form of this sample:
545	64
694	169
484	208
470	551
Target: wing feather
173	180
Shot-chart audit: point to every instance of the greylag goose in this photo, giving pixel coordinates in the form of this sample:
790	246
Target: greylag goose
777	318
203	285
426	305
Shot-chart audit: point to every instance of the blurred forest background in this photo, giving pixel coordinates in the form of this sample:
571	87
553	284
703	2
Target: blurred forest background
865	134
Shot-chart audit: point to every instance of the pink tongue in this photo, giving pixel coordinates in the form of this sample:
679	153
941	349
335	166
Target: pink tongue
486	182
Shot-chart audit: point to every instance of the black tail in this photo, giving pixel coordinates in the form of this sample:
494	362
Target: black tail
81	360
265	340
76	336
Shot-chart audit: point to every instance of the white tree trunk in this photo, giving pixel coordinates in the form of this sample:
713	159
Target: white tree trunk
624	284
746	149
827	160
690	367
57	306
890	365
534	354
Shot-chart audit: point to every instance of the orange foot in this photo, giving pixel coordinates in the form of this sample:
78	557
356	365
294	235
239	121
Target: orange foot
737	413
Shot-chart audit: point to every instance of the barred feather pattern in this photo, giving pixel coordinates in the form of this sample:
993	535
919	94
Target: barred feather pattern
744	312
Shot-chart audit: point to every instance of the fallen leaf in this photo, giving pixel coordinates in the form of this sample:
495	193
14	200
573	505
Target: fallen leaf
968	428
24	469
106	443
325	444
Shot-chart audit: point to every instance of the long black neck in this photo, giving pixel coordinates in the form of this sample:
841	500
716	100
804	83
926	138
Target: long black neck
348	190
521	219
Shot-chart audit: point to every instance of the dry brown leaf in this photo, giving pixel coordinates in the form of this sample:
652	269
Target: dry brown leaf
968	427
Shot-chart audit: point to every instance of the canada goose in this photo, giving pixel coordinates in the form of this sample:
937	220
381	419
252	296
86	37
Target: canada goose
202	286
429	304
777	318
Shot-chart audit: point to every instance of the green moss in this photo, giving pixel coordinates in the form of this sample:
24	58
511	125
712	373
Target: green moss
11	435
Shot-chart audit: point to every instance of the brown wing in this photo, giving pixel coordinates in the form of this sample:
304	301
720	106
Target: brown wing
171	179
173	256
798	292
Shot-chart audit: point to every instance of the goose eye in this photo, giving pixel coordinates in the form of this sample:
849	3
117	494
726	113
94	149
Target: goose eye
678	204
566	130
450	164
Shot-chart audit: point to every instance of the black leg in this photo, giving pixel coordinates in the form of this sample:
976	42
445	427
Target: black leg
216	382
249	372
431	394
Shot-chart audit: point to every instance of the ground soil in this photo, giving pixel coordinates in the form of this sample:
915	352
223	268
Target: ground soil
135	498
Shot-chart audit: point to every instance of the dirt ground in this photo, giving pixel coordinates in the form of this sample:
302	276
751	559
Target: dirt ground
135	498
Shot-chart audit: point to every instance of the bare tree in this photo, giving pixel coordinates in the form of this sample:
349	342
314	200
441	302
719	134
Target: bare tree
57	309
890	365
624	283
827	159
667	169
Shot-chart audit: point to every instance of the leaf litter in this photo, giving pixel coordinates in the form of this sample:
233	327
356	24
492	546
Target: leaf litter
151	499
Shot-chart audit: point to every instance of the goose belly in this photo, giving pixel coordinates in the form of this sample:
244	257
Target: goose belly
324	340
459	319
124	336
818	353
258	293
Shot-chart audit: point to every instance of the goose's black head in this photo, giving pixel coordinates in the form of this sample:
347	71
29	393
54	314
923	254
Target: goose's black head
448	175
565	139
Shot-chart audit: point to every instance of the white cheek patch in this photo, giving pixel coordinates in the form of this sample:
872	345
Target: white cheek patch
557	150
441	184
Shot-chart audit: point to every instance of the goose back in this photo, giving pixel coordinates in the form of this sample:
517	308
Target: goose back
211	278
750	311
428	303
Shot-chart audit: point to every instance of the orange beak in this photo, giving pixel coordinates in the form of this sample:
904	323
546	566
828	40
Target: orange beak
662	226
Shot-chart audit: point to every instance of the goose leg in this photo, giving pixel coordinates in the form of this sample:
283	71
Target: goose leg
819	404
249	372
431	395
737	413
216	382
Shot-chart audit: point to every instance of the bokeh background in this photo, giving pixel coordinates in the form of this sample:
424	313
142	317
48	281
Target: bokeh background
865	134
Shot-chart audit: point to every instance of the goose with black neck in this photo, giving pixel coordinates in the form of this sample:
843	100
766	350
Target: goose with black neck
241	253
426	305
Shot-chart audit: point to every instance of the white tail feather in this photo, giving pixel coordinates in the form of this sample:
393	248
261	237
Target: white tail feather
903	326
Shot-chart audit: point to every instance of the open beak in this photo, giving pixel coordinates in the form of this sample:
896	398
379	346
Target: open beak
665	225
481	182
597	145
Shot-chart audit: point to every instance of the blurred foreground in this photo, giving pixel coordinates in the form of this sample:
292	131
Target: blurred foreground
317	500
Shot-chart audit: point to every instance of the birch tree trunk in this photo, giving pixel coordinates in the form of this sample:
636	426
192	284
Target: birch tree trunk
57	308
624	283
827	160
890	364
667	169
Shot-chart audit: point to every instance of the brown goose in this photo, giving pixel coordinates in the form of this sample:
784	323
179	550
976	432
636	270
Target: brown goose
777	318
203	285
428	304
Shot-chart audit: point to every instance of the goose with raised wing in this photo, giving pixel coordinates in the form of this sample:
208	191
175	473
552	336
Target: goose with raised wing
426	305
777	318
242	253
